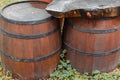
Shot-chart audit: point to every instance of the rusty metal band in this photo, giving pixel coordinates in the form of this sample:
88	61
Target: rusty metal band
28	36
32	59
96	54
69	24
102	18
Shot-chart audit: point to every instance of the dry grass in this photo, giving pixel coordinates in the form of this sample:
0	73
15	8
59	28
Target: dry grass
6	2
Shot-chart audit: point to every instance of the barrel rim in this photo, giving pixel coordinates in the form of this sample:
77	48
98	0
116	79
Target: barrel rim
24	22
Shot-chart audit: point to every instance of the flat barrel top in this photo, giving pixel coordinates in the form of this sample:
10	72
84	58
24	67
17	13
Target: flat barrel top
85	8
95	4
68	5
24	12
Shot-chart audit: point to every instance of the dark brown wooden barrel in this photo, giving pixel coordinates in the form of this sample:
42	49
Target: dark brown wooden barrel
92	44
31	40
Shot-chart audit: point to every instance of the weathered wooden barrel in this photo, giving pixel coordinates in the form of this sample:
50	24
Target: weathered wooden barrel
93	42
31	40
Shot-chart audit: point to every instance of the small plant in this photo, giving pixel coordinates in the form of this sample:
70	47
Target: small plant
106	76
4	74
64	72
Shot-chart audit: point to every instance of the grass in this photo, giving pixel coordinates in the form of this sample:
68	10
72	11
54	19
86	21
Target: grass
6	2
64	70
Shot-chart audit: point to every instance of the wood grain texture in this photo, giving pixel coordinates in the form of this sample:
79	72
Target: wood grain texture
46	0
1	35
89	42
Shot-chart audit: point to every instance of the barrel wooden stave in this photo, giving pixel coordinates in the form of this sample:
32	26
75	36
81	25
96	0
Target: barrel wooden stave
1	35
46	0
89	42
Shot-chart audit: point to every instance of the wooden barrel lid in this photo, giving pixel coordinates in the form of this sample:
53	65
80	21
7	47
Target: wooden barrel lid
84	8
66	5
25	12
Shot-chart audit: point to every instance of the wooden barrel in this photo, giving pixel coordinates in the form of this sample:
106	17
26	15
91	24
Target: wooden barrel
92	44
28	35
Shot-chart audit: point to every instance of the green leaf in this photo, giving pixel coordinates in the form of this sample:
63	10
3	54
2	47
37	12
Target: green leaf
96	72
